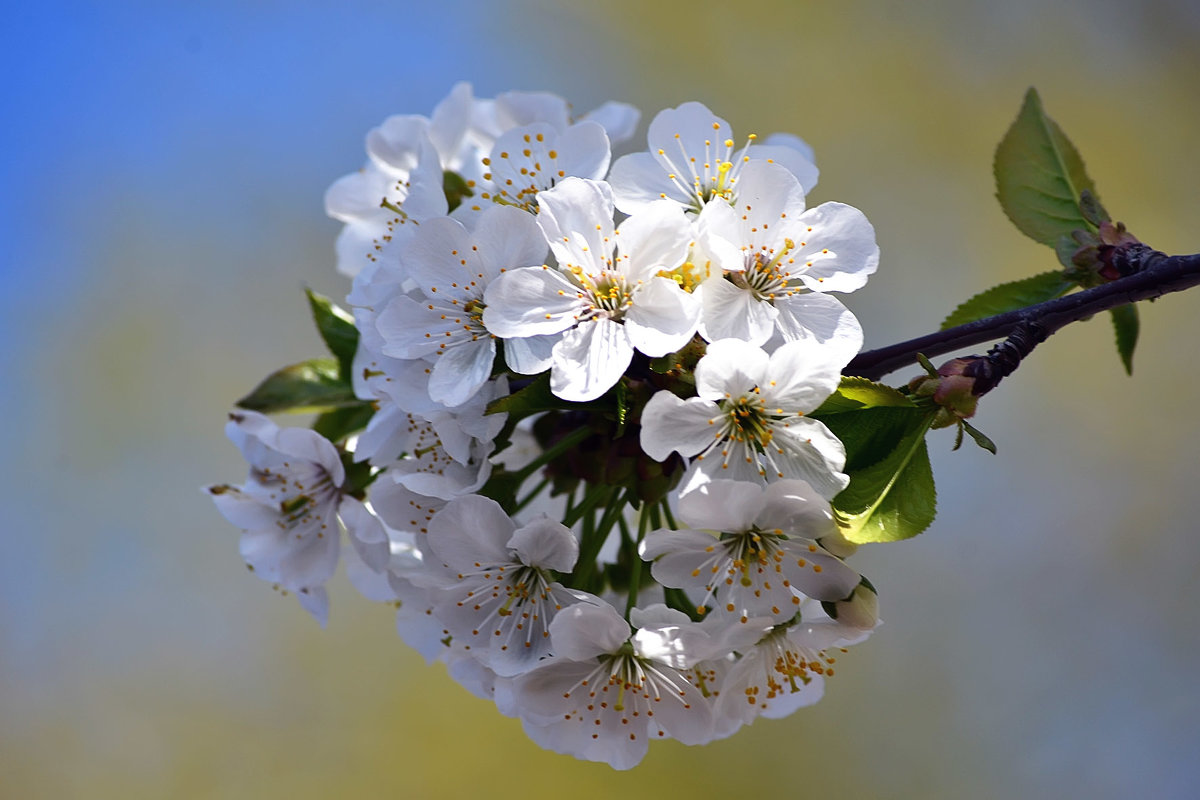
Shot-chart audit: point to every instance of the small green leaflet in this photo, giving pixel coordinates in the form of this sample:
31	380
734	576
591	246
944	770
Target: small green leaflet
313	385
337	330
894	498
1010	297
1040	177
1126	326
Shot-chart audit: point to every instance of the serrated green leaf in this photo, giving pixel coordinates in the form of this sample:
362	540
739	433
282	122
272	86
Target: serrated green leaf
336	425
310	386
870	434
855	393
1009	297
1040	176
894	498
336	328
1126	326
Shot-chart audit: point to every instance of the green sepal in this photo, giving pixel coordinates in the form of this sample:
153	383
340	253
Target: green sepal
336	425
978	435
893	498
311	386
1040	177
1126	326
622	410
456	189
337	330
1091	207
530	399
359	475
1010	297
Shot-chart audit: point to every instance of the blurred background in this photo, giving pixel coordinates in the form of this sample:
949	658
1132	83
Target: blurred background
161	177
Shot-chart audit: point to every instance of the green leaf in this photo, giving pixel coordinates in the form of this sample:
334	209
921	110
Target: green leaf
336	425
870	434
1040	177
855	393
315	385
894	498
336	328
1010	297
1126	325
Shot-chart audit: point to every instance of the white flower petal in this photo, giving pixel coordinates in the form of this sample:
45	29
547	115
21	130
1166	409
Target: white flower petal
730	367
530	355
471	530
821	317
731	312
663	318
840	252
654	239
813	454
546	544
618	119
586	630
671	424
367	534
590	359
577	218
460	371
722	506
638	180
529	302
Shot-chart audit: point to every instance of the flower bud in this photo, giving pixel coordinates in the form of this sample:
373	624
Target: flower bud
953	389
859	610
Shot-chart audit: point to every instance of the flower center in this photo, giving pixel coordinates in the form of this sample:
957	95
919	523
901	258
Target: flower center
748	550
747	421
708	175
609	294
767	276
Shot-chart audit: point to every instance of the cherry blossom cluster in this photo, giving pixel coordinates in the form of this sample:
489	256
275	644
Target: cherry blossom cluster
589	483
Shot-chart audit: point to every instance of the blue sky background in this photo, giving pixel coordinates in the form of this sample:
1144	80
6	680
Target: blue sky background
162	169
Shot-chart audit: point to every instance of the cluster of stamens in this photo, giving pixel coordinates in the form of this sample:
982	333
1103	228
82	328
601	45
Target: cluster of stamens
708	175
528	165
768	274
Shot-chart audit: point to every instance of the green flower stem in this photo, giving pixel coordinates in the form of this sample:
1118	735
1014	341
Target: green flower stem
594	533
666	510
552	452
533	493
635	569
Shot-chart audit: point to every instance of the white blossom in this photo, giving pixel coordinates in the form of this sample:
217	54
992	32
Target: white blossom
609	690
499	594
751	550
785	670
289	506
443	319
607	298
770	263
748	421
693	159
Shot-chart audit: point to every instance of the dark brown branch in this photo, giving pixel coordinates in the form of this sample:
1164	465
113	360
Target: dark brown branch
1147	274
